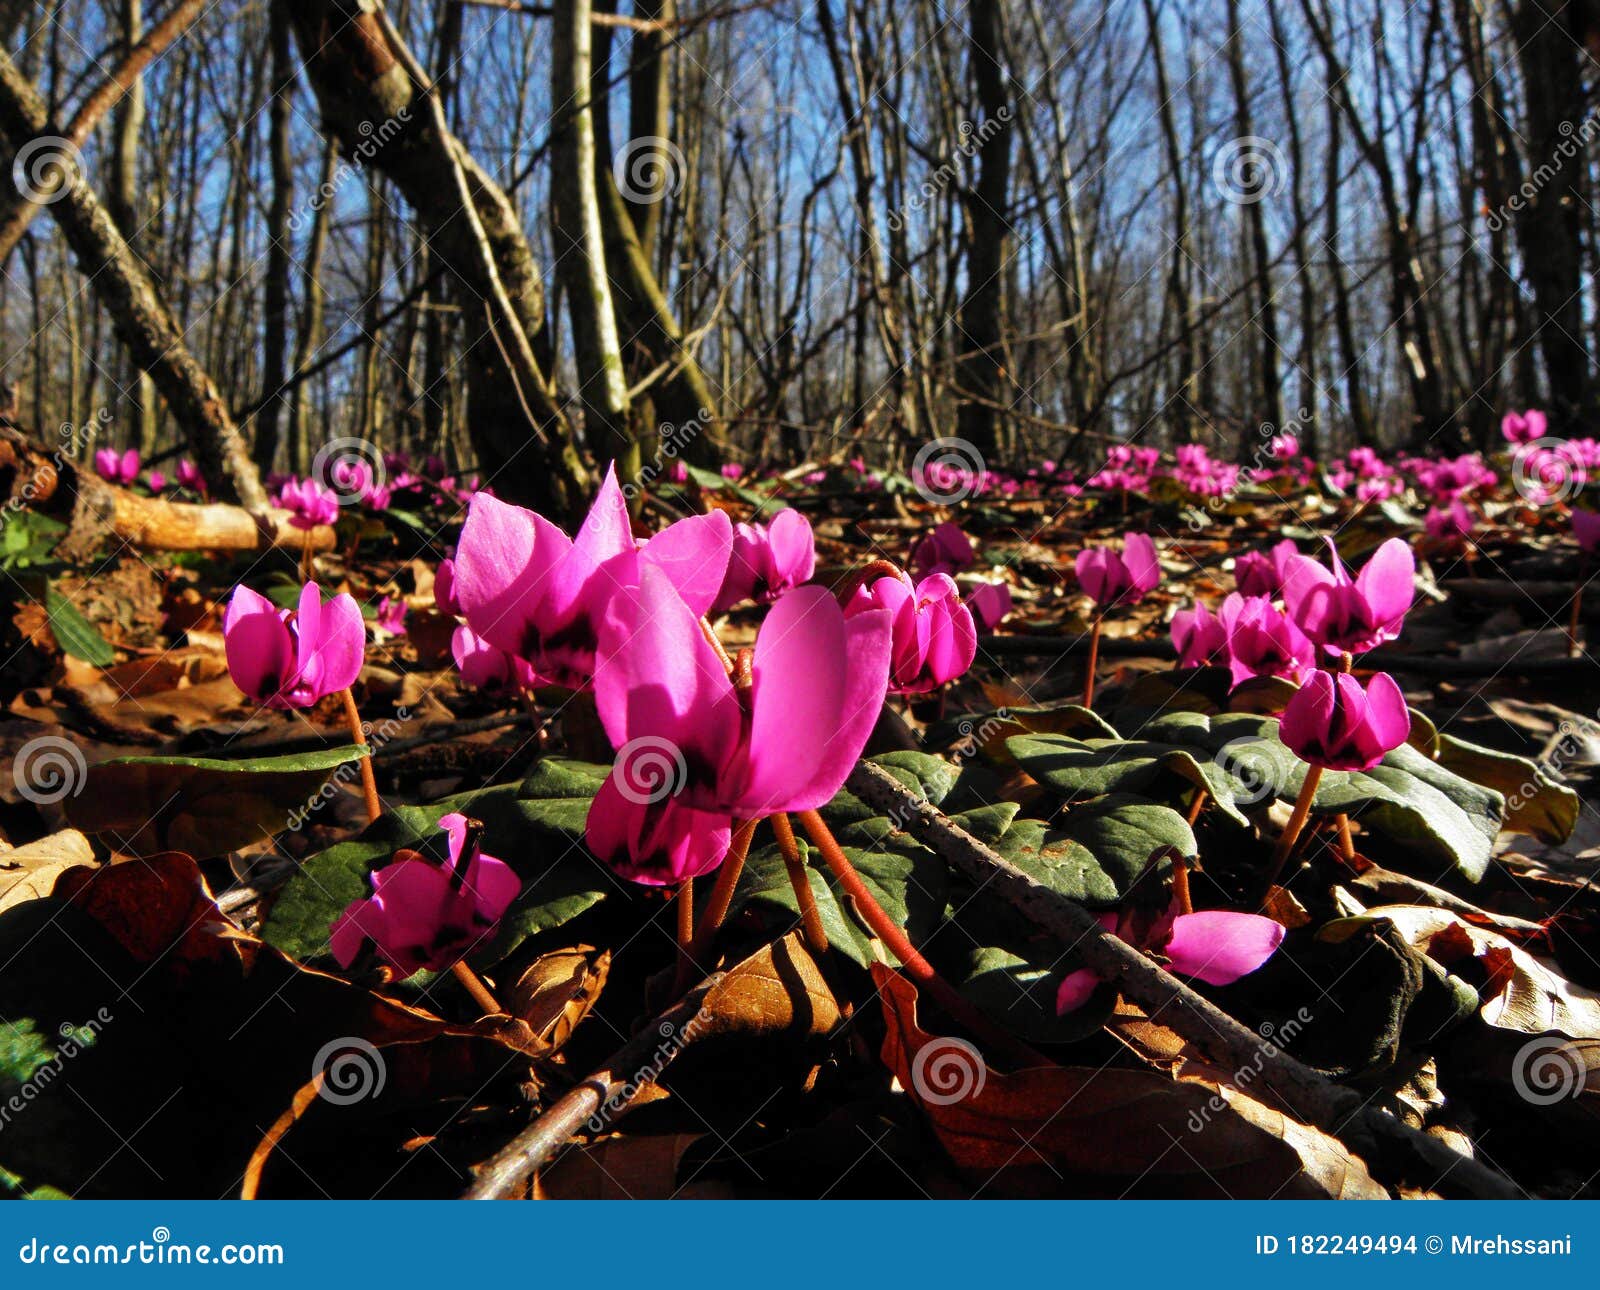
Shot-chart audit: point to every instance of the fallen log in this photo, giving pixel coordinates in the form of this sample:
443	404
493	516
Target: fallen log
54	484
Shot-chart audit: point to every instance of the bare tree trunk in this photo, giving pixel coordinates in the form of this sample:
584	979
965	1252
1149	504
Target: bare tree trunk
275	337
371	101
981	372
124	286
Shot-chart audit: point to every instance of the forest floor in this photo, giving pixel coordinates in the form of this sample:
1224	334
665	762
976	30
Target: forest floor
172	1023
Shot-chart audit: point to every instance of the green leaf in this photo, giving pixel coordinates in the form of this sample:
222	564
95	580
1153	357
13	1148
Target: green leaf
1535	803
557	793
909	882
206	806
1099	851
930	778
561	879
714	481
75	633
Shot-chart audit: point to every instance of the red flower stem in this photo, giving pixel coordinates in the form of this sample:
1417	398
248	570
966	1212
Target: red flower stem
717	904
916	967
1201	797
859	578
1577	605
1297	821
1180	882
1347	846
1094	660
685	910
369	781
1346	663
476	988
810	915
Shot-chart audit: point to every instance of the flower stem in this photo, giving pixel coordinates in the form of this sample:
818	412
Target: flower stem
1201	797
859	578
1094	660
916	967
716	905
810	915
1180	882
685	909
1577	606
1297	821
1347	846
369	781
476	988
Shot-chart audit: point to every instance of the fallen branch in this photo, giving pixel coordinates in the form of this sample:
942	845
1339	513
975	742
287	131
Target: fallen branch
632	1067
1308	1095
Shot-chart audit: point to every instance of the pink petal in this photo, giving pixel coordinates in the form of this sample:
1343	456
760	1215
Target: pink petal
793	548
1075	990
1139	558
259	648
1387	713
503	560
1218	947
694	554
655	843
1388	582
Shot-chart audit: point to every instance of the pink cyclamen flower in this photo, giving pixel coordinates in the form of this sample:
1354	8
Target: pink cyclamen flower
990	603
115	467
1259	573
1524	427
1586	528
526	587
1111	580
286	658
1199	637
1333	723
155	481
391	617
444	589
935	639
945	550
310	502
189	477
422	914
1352	615
487	667
1215	946
688	740
767	560
733	470
1263	640
1452	523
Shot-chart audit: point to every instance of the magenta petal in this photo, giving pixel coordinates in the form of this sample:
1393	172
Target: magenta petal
1095	570
952	638
1586	528
1388	583
341	647
1139	558
606	531
694	555
1307	717
655	843
259	648
1387	713
657	678
1075	991
1218	947
792	547
503	561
